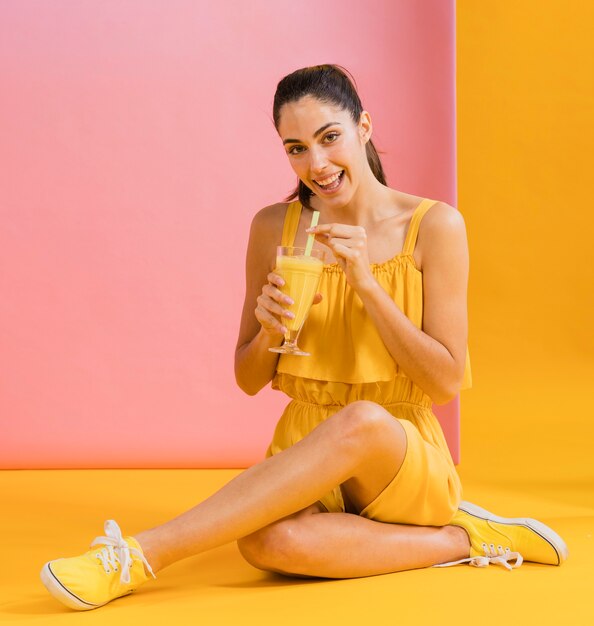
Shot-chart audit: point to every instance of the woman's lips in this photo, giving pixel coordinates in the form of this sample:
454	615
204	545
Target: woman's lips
334	188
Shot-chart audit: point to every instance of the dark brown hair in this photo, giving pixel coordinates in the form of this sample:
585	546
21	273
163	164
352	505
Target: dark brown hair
330	84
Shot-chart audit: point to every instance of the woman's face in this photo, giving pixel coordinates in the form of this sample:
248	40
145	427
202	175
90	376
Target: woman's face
321	140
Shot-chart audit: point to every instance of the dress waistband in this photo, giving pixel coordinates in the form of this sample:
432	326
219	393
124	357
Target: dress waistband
341	406
397	391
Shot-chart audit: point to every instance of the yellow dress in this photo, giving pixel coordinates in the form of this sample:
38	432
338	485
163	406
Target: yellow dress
350	362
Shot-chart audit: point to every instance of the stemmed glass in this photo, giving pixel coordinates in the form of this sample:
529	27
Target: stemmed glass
301	273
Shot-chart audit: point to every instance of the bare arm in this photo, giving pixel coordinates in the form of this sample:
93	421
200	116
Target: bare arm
261	325
434	358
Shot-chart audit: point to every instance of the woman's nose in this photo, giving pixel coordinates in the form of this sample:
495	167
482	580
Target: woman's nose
317	161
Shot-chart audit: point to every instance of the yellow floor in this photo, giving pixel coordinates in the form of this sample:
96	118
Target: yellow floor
51	513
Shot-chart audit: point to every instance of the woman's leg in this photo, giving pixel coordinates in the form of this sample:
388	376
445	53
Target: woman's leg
362	444
344	545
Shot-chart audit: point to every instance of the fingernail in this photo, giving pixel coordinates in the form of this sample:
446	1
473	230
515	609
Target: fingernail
310	229
291	315
288	300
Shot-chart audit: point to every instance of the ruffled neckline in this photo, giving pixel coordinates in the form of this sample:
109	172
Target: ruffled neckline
379	267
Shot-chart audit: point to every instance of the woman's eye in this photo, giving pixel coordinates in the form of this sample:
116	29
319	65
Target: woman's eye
331	137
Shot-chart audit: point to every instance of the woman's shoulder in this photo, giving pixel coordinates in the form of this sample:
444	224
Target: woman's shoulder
437	213
440	224
442	213
265	234
442	227
270	219
441	221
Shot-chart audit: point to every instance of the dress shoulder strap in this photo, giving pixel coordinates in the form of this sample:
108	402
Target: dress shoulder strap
415	222
291	223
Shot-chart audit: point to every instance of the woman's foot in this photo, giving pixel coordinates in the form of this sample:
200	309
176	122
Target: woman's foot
500	540
114	567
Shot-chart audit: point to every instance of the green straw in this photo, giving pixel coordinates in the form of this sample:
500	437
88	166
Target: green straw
310	239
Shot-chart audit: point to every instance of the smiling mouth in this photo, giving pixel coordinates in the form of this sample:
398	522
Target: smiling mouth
335	184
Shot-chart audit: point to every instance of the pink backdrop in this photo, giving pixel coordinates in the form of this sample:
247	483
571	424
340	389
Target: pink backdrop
136	145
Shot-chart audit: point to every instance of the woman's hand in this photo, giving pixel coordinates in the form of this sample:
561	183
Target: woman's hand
349	245
271	303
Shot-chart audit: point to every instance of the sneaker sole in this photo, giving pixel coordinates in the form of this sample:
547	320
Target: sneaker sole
548	534
60	593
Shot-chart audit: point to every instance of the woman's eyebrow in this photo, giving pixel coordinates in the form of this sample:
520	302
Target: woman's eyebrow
320	130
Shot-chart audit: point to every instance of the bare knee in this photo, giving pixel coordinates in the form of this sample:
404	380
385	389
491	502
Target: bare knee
265	547
275	548
361	422
250	548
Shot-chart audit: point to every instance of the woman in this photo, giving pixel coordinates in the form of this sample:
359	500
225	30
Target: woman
388	337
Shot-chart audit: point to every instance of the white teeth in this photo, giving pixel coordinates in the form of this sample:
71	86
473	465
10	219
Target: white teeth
329	180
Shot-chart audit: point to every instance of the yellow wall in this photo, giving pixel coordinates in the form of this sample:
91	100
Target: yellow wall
525	91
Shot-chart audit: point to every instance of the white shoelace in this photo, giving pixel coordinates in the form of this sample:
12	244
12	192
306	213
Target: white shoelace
116	551
499	556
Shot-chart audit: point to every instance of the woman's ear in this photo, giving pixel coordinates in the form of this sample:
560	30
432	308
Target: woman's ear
365	126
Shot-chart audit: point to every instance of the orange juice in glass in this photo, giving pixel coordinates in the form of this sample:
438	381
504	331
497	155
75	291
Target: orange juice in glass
301	274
